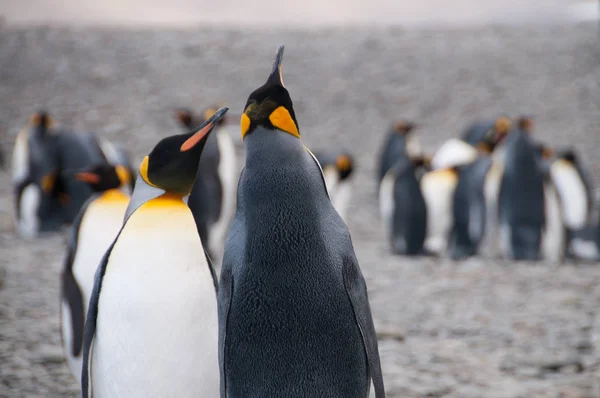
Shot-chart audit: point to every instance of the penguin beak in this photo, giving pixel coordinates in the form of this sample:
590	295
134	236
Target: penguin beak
203	130
89	178
275	77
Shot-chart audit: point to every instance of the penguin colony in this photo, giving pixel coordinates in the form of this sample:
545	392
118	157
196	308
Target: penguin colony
253	276
494	188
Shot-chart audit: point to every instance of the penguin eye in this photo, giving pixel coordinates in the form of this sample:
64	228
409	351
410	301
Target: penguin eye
281	119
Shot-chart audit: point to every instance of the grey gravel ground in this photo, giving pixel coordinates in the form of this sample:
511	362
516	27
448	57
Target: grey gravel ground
480	328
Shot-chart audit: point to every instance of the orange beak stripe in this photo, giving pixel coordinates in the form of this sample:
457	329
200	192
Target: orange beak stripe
90	178
196	138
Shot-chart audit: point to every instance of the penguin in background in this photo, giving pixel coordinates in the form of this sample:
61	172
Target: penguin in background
469	209
291	287
575	190
402	207
93	231
438	187
479	137
151	326
212	200
521	204
400	141
337	170
43	201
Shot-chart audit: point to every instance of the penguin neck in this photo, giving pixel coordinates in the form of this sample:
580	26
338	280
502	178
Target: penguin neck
272	146
115	194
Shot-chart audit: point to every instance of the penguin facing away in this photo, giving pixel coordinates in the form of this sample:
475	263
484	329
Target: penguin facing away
400	141
469	209
402	207
521	207
151	327
212	200
294	315
337	171
92	233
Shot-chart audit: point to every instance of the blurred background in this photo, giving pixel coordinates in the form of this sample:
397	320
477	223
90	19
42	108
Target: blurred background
477	328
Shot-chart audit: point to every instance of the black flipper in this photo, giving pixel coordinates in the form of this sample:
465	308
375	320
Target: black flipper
92	316
357	293
224	294
70	291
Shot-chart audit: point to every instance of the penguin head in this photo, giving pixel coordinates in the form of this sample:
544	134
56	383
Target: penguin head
173	163
270	106
102	177
497	132
344	163
39	123
525	123
185	118
403	127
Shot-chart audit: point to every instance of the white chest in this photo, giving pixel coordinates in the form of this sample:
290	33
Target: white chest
157	331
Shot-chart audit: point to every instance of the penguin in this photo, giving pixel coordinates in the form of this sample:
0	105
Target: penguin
93	231
212	200
402	207
41	150
337	170
521	205
575	190
438	187
480	137
400	141
469	209
294	314
151	326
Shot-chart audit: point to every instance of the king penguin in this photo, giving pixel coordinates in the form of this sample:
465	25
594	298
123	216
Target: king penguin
575	190
212	200
294	314
93	231
521	207
479	137
400	141
402	207
338	168
152	316
469	209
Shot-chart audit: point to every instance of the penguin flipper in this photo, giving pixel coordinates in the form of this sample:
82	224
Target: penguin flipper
70	291
356	288
89	329
224	299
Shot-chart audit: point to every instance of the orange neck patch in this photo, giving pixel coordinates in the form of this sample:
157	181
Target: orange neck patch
280	118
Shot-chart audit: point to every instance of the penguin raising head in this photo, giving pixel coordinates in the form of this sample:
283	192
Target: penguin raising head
404	127
173	163
103	177
270	105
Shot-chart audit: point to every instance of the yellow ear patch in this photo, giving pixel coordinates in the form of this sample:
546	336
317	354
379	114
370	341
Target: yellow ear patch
144	171
343	163
48	182
503	124
245	124
280	118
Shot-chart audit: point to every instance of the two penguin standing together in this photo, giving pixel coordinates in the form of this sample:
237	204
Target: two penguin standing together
490	186
291	316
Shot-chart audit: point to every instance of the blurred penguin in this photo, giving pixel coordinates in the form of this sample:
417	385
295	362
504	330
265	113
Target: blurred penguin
400	141
402	206
338	170
576	193
521	204
469	209
480	137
